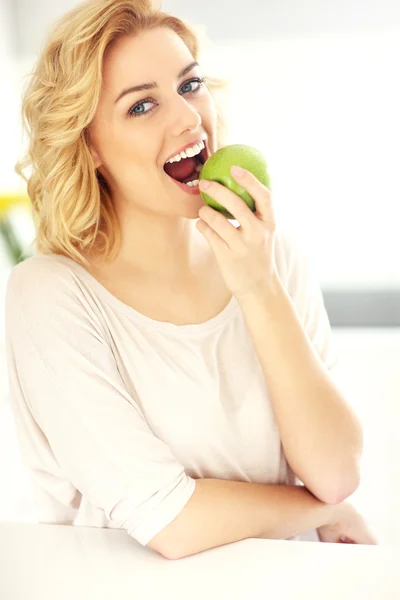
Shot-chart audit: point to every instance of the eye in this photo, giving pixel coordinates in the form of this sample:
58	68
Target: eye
199	80
133	112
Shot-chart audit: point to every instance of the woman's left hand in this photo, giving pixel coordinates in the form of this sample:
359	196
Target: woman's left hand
245	254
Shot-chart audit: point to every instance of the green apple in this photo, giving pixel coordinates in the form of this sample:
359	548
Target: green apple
218	168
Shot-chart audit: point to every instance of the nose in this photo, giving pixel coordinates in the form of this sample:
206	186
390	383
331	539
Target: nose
184	117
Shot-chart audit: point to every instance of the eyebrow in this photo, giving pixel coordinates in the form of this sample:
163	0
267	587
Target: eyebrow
153	84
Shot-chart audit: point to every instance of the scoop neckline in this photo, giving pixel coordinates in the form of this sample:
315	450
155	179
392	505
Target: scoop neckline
214	323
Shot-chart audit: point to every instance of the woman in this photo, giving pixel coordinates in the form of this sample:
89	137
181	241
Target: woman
139	334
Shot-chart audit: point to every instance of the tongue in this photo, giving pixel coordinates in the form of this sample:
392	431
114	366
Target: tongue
181	170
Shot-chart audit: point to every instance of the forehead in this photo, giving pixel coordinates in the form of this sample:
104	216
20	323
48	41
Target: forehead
145	57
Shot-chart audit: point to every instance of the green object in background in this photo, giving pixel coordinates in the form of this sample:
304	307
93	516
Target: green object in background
14	248
218	166
7	202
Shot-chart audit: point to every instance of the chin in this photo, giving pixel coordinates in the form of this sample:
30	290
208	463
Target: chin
190	210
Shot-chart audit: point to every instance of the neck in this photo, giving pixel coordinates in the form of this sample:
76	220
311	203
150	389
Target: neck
165	248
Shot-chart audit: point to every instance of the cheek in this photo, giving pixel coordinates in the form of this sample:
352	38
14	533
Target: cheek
210	116
211	108
133	149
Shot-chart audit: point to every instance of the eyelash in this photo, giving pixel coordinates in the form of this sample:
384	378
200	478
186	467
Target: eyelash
199	80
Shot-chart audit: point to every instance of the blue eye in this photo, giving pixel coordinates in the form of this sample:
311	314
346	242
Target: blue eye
133	112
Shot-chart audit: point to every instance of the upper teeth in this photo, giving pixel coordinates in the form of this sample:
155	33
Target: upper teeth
188	153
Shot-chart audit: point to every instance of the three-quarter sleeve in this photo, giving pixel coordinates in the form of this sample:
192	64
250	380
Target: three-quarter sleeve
309	301
63	369
305	291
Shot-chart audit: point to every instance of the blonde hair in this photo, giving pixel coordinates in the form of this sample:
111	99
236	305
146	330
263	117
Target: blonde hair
71	203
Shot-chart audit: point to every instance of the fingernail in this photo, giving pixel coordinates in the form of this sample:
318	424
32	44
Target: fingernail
204	184
237	171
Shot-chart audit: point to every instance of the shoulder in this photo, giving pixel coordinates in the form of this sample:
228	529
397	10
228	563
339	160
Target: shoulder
47	267
42	283
292	258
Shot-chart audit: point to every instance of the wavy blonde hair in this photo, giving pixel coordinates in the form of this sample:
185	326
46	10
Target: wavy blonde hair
71	203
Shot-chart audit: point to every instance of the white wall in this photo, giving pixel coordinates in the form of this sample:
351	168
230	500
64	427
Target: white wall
277	19
9	106
234	19
325	112
318	94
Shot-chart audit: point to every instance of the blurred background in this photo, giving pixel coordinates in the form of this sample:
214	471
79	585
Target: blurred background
315	86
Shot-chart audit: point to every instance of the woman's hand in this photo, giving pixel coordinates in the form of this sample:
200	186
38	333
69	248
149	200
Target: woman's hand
349	527
245	254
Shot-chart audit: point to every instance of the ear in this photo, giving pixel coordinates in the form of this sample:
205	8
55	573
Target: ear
96	158
92	150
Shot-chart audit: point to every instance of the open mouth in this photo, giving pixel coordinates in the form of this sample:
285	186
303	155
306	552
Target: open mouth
187	170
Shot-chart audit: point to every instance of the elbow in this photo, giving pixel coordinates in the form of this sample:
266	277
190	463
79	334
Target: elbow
165	553
336	494
162	544
337	485
172	551
173	556
162	549
167	549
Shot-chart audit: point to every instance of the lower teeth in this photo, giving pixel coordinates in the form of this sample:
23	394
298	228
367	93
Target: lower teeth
193	183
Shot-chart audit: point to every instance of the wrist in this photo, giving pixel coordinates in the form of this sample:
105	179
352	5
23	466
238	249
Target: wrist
266	290
337	512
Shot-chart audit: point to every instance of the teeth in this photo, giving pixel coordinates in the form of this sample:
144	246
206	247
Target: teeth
193	183
188	153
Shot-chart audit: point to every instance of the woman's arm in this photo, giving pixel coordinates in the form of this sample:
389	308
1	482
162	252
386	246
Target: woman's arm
221	512
321	435
78	425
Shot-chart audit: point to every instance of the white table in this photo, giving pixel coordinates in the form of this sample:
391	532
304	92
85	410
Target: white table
55	562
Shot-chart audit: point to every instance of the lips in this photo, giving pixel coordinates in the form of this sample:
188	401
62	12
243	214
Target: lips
182	169
185	169
186	147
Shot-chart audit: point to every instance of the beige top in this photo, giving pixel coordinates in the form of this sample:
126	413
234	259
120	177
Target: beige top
117	414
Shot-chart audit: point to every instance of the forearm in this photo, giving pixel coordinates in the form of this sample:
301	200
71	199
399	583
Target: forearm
321	435
222	511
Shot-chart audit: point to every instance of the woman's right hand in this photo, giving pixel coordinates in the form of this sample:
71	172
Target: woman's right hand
347	527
